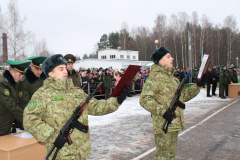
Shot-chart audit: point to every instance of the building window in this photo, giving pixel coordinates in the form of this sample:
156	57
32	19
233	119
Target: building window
134	57
128	57
103	57
121	56
112	56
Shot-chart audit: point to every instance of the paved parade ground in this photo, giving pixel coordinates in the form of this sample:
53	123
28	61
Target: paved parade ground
212	131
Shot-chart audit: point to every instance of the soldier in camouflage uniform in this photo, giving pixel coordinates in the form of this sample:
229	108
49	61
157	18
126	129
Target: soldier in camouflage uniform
53	104
195	75
107	83
9	108
156	96
71	72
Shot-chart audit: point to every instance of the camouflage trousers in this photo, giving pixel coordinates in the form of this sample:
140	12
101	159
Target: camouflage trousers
166	145
65	154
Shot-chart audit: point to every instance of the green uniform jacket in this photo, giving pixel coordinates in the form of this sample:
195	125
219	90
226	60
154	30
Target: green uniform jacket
107	81
75	78
234	77
223	77
195	75
9	109
157	94
28	86
50	108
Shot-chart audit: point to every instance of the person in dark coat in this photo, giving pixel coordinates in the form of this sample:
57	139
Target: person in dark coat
215	76
209	80
107	83
223	81
234	75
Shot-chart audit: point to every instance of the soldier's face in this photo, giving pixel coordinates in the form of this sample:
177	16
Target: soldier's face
16	75
36	71
59	72
70	66
166	60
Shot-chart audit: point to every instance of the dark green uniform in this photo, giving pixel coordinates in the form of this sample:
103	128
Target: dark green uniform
75	78
9	108
195	75
107	84
234	76
223	81
28	86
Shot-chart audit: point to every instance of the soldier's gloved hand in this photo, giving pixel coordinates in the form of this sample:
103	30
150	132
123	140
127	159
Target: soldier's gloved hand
59	142
168	116
123	95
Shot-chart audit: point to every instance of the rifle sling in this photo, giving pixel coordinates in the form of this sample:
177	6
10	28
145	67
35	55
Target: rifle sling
81	127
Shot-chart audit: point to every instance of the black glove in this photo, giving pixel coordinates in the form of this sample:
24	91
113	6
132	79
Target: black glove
123	95
200	83
59	142
168	116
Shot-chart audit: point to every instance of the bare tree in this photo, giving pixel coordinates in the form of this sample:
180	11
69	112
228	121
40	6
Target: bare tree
124	37
174	26
41	49
18	39
231	27
194	35
160	29
204	36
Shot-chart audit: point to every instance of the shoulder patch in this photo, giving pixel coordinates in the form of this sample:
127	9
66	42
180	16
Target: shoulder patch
5	79
20	94
31	105
166	81
148	87
78	96
6	92
55	98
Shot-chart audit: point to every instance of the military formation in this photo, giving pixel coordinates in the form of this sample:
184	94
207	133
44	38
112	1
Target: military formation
40	95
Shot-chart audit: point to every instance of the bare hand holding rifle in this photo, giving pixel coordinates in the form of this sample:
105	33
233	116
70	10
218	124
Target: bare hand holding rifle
170	113
70	125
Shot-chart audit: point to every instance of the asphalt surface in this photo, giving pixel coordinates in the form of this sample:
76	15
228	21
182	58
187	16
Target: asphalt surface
212	137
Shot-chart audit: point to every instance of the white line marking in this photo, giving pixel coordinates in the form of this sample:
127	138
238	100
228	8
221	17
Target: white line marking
187	130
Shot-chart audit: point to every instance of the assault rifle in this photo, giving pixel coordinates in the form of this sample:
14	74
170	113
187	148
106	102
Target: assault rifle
74	123
175	103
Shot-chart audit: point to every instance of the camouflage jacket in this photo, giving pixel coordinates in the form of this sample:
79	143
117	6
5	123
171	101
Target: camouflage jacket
157	94
50	108
28	86
9	108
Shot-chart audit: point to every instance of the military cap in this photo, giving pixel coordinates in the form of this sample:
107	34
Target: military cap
158	54
222	65
70	58
37	60
229	67
51	62
18	66
1	68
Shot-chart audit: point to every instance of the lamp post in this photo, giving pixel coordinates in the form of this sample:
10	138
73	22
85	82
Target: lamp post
237	61
156	42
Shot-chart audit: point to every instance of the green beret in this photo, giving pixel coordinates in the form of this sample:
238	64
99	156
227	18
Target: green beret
37	60
70	58
18	66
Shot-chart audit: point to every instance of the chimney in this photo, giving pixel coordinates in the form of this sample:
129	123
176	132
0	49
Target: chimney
5	49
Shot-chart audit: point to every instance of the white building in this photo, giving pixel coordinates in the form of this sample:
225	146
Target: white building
118	54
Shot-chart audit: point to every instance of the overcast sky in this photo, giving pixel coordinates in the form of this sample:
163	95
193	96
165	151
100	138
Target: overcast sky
75	26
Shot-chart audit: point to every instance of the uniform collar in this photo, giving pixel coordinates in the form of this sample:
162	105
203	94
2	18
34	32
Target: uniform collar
61	84
6	74
30	76
162	69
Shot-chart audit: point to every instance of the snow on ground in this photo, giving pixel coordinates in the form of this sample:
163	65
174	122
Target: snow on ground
125	130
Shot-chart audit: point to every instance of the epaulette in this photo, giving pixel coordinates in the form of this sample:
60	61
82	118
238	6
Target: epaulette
23	78
5	79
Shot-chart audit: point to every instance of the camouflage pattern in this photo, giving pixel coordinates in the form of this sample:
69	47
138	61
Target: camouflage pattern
157	94
50	108
166	146
195	75
28	86
75	78
9	108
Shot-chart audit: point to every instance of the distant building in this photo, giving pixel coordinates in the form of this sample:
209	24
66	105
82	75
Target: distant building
118	54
